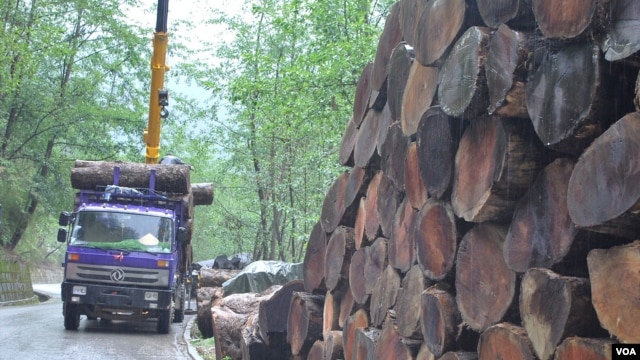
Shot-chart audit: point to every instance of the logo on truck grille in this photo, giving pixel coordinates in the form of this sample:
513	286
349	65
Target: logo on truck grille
117	275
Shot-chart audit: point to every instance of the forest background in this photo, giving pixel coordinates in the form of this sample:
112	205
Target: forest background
260	94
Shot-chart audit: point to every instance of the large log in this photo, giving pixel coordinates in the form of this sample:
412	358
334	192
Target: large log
497	160
505	341
604	188
202	193
331	312
570	20
401	244
333	206
340	248
418	95
348	143
383	127
304	324
372	221
205	296
362	95
515	13
388	201
357	274
409	15
439	320
88	175
553	307
364	347
541	231
436	238
334	348
391	345
359	320
215	277
485	286
615	289
408	303
375	263
384	295
415	189
365	153
389	39
273	313
459	355
568	123
399	69
577	348
393	153
463	87
437	138
622	38
313	264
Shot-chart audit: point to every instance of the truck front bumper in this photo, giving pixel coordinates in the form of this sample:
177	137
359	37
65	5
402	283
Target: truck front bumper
115	297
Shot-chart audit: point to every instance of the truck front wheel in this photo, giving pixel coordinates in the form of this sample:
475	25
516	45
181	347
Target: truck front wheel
164	321
71	316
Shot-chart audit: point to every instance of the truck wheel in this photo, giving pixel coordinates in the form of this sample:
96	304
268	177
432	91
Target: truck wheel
164	321
71	317
178	314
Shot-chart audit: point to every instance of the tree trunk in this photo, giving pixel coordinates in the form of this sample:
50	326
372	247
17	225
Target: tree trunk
462	91
169	178
415	189
615	276
485	286
570	20
497	160
359	320
604	189
437	137
418	95
304	324
340	248
439	320
436	238
408	303
389	39
621	38
505	341
541	230
516	13
553	307
576	348
401	244
273	313
313	265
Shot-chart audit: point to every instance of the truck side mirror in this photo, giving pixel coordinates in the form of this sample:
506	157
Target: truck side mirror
62	235
182	234
64	218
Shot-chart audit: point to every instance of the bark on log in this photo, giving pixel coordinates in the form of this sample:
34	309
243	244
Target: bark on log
463	87
497	160
340	248
436	238
364	347
439	26
437	137
577	348
506	71
202	193
215	277
273	313
205	296
348	143
515	13
365	154
615	289
439	320
604	188
418	95
415	189
485	286
553	307
169	178
408	303
401	244
388	201
399	68
304	325
362	95
383	296
505	341
375	263
359	320
357	274
313	264
333	206
230	317
573	19
251	345
622	38
372	221
391	345
541	231
389	39
568	123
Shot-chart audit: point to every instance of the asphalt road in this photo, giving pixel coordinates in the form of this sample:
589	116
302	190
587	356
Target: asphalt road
37	332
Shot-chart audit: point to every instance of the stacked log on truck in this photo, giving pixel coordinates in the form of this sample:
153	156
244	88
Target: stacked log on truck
490	202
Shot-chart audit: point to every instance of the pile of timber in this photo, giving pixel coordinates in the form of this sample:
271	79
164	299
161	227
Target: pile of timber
172	180
490	206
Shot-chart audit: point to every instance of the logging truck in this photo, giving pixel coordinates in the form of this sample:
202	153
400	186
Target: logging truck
128	238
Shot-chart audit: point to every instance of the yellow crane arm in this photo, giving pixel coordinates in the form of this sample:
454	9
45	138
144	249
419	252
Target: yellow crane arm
159	97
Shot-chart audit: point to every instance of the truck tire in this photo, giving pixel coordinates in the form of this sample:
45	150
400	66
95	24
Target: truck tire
178	315
164	321
71	317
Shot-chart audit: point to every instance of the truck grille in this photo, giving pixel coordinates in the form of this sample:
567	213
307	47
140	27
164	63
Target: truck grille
117	275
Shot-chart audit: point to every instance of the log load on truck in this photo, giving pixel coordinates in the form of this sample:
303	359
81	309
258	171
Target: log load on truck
128	237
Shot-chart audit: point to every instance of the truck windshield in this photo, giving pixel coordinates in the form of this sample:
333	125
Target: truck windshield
122	231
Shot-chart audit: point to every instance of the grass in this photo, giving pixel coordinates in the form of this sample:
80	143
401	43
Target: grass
205	347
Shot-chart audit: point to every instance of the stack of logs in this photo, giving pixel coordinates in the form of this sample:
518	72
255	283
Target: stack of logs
490	207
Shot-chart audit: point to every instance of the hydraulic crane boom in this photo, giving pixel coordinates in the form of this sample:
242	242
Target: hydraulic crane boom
159	97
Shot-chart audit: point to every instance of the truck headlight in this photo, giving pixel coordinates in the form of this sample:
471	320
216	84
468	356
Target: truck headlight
151	296
79	290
